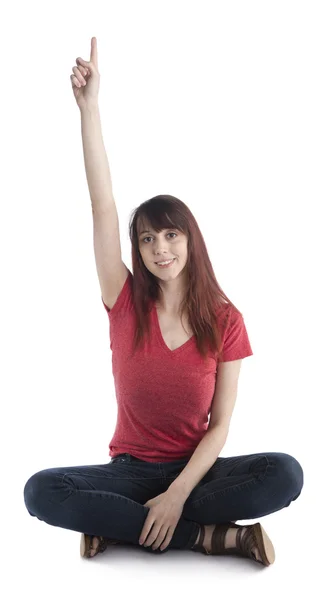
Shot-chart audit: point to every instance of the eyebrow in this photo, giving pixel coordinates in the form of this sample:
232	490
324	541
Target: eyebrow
148	230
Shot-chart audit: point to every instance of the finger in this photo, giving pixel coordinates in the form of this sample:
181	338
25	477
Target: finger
160	538
75	82
155	532
168	538
94	52
82	70
145	531
157	543
165	545
85	64
78	76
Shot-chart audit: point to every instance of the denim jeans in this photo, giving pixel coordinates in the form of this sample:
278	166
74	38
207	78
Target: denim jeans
107	499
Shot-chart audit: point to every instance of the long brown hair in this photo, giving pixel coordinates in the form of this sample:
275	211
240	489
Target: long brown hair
204	299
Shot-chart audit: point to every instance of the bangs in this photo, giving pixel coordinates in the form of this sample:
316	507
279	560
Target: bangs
157	219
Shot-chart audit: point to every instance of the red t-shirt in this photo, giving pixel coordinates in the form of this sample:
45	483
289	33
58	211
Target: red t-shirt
163	396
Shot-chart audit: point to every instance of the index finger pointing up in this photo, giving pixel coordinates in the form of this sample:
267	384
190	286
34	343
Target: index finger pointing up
93	52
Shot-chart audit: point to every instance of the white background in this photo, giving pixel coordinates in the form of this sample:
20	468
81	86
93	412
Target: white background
224	105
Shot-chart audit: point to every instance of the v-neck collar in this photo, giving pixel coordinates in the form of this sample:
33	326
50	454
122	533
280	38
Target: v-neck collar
161	339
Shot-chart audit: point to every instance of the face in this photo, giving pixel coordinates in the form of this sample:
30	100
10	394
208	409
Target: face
163	245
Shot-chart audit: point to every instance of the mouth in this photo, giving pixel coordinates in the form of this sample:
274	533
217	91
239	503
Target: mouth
165	264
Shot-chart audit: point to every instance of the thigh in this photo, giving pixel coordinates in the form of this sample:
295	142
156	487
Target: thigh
243	464
278	468
231	470
139	481
245	487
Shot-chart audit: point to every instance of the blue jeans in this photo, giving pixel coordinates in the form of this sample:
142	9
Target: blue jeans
107	499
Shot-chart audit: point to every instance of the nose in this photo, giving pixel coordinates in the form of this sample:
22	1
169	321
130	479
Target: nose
160	248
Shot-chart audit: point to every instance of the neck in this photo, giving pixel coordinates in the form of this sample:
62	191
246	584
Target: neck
171	295
169	306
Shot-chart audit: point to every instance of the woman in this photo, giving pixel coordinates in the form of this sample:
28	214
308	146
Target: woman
177	344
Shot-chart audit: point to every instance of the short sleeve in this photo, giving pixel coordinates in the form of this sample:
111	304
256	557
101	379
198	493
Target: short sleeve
124	300
236	342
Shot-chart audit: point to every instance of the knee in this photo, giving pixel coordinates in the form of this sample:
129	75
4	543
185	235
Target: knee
34	489
290	473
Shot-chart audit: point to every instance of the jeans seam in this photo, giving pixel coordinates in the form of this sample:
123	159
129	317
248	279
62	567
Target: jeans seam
236	486
111	478
221	492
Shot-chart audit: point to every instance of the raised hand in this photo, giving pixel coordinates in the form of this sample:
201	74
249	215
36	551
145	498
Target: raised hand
86	78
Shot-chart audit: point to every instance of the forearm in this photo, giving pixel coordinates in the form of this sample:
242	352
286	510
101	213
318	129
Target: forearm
95	159
200	462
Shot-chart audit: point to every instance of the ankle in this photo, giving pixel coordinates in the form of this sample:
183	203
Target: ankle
198	536
207	537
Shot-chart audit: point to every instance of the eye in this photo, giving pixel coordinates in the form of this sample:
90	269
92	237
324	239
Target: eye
149	236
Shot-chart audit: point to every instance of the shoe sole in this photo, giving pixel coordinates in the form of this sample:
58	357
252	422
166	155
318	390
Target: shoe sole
264	544
86	545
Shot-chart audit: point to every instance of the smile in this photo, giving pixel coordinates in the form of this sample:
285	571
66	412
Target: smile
165	264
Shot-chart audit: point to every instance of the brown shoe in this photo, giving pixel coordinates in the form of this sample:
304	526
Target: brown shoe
253	538
86	545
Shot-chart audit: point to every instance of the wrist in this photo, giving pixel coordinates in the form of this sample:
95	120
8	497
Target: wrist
178	491
89	107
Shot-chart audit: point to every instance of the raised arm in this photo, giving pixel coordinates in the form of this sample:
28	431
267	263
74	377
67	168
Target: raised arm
111	270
